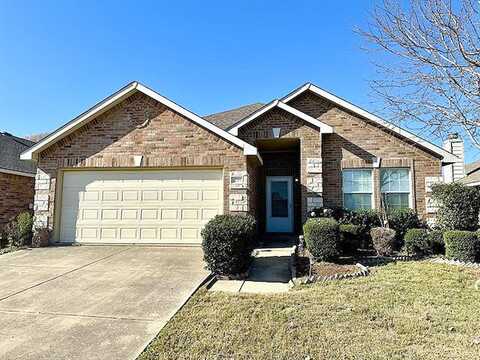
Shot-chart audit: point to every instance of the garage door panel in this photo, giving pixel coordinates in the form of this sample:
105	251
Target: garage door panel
139	206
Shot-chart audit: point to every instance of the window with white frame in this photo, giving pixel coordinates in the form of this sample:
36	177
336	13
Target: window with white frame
395	188
357	188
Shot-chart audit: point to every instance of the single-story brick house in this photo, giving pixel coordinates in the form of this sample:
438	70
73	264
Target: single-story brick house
17	177
138	168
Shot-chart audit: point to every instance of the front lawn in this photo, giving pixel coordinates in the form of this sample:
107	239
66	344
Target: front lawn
415	310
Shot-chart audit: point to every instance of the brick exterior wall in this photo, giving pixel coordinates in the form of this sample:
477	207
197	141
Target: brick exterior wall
291	128
113	139
356	142
16	195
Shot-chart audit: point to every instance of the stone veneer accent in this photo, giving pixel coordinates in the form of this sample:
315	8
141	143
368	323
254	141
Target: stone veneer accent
16	195
115	139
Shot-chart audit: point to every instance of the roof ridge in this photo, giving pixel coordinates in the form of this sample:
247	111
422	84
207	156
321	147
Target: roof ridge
237	108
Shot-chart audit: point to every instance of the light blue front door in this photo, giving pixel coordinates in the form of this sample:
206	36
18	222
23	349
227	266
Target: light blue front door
279	204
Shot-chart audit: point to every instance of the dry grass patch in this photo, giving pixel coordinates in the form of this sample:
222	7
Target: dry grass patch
415	310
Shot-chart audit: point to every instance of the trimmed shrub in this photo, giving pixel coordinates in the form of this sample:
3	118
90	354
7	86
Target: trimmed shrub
350	237
416	242
401	220
458	206
461	245
383	240
322	238
435	239
228	242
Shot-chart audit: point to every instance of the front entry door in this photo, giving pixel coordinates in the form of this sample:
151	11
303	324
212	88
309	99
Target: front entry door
279	204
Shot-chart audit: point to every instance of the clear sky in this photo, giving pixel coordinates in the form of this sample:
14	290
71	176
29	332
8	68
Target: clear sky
58	58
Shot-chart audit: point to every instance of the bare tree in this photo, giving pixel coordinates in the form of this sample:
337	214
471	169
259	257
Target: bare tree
429	63
36	137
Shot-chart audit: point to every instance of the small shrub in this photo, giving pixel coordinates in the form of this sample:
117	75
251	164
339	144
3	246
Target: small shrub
24	222
383	240
435	238
458	206
416	242
461	245
322	238
401	220
350	237
227	243
41	236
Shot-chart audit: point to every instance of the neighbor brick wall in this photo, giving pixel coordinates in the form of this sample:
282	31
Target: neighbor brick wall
355	142
16	195
113	139
291	128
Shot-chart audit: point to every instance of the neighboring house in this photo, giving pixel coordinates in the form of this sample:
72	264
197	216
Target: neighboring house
472	174
17	177
138	168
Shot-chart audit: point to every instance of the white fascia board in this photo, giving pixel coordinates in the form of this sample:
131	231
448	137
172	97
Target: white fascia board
254	115
14	172
324	128
79	121
473	184
117	97
247	148
447	156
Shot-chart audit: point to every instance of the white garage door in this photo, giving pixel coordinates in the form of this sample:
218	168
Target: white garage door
164	206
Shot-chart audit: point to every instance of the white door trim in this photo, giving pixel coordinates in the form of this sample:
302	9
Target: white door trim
284	225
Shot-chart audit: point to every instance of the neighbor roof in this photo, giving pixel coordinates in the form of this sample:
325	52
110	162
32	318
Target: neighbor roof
115	99
227	118
10	149
469	168
447	156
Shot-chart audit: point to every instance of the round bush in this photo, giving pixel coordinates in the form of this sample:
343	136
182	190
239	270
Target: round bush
228	243
322	238
350	236
461	245
383	240
435	238
401	220
416	242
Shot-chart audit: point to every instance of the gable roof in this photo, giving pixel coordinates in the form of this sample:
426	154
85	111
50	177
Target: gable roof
115	99
10	149
227	118
324	128
447	156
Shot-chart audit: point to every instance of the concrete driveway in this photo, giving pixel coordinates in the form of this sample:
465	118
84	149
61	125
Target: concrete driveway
91	302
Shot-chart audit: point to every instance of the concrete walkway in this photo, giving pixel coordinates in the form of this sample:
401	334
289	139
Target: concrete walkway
269	273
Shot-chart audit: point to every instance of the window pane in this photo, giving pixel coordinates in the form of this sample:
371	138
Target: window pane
397	200
357	181
357	201
395	180
279	193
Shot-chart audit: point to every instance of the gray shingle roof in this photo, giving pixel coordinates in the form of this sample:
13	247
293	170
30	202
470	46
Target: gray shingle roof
227	118
10	149
472	167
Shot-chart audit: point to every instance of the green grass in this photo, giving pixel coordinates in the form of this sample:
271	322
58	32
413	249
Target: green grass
415	310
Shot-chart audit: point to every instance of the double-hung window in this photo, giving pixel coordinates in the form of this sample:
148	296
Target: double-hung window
357	189
395	188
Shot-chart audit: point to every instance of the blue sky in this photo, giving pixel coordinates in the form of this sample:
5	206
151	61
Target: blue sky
58	58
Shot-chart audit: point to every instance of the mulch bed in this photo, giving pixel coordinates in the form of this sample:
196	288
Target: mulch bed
321	269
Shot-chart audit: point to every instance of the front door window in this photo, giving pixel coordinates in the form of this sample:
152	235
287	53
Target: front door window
279	195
